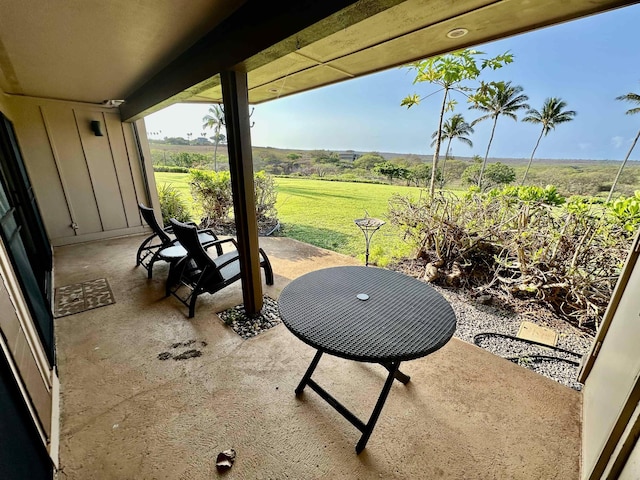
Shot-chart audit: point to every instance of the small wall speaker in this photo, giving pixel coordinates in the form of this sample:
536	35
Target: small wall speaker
96	128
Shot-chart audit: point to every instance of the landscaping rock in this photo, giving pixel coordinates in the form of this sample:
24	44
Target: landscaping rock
247	326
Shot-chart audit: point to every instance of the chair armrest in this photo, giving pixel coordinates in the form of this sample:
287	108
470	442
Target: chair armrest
209	231
220	242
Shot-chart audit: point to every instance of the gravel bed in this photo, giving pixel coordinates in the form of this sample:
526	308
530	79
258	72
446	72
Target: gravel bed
248	327
474	318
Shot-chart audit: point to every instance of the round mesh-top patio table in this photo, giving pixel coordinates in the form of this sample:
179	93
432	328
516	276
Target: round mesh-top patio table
369	315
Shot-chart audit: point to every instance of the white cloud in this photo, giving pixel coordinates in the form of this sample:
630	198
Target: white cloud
617	141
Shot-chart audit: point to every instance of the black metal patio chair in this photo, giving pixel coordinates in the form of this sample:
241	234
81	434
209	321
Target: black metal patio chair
202	274
159	241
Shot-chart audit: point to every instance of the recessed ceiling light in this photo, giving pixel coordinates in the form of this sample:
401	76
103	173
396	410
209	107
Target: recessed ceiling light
272	90
457	33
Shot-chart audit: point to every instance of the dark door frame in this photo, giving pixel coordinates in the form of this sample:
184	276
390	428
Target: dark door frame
23	233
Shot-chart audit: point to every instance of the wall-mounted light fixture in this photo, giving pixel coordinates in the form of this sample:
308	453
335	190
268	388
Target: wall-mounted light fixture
96	128
112	103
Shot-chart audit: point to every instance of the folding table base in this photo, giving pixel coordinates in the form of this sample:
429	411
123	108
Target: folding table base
366	429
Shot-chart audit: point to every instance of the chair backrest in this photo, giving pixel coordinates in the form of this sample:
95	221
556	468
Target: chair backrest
187	235
150	218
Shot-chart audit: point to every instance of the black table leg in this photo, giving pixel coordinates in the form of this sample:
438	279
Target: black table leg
393	370
366	429
309	372
401	377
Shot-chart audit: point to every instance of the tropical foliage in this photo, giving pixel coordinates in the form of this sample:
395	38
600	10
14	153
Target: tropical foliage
215	120
496	174
523	244
172	204
211	192
504	99
633	98
391	170
450	72
453	127
553	113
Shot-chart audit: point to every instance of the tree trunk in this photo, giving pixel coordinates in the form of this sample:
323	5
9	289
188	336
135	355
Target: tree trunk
215	147
531	159
486	155
444	163
624	162
436	153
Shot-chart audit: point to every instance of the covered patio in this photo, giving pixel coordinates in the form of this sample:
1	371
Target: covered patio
126	414
92	399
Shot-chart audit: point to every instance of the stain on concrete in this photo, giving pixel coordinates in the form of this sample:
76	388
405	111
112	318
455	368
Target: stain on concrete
188	354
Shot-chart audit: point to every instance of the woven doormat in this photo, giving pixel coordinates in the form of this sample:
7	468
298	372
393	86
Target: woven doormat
80	297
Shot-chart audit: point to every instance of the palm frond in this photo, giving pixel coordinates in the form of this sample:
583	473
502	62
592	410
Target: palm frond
631	97
466	141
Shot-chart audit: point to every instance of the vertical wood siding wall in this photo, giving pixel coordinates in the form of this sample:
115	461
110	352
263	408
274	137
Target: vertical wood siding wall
87	186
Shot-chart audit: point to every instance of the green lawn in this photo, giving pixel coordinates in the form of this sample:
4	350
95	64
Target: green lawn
321	213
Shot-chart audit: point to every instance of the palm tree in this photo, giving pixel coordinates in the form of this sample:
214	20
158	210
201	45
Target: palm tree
634	98
454	127
552	114
214	119
503	100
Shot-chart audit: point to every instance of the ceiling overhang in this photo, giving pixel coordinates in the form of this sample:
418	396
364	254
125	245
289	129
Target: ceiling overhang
377	35
257	34
153	53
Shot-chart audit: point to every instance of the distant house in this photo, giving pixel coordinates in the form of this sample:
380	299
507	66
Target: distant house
349	155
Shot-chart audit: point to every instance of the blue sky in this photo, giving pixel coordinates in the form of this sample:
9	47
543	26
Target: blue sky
587	63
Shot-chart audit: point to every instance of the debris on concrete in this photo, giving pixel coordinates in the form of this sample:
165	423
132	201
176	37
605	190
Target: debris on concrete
225	459
164	356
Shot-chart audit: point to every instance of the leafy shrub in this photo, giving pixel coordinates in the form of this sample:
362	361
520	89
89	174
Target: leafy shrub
172	204
211	191
626	212
548	195
170	169
567	257
391	170
494	174
178	159
266	196
421	175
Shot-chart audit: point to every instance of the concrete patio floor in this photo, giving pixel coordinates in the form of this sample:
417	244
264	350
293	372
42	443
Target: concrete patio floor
128	415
